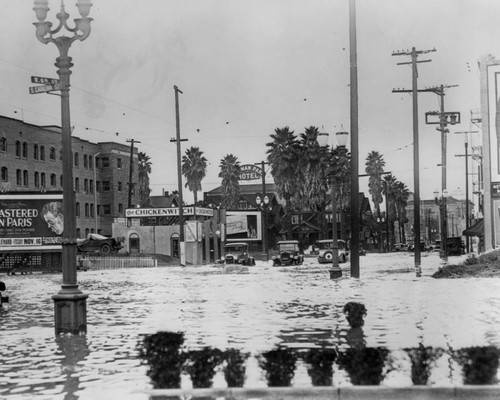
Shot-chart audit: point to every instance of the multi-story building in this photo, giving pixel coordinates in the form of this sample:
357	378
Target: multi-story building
30	160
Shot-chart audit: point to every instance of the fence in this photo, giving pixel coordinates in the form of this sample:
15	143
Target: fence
115	262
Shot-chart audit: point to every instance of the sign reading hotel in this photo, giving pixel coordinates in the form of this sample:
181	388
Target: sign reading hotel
166	212
250	172
31	222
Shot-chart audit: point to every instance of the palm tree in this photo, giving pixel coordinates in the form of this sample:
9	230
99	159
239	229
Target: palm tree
401	196
374	167
194	167
282	157
229	172
389	190
340	172
144	167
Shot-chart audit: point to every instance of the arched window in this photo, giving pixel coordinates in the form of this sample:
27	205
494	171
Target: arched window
87	232
25	150
35	152
18	148
19	177
3	145
91	162
53	180
43	183
42	153
78	233
86	185
77	160
25	178
77	209
52	154
85	161
87	209
77	184
37	179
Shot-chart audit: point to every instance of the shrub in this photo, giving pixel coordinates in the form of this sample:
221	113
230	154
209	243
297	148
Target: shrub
355	314
320	366
279	366
479	364
201	366
234	369
365	366
422	359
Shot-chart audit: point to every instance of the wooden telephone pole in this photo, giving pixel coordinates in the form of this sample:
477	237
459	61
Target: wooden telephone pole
131	171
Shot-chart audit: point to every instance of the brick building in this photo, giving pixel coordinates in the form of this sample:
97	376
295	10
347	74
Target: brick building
30	160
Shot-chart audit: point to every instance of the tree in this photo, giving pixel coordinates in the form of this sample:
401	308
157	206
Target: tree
194	167
144	167
389	190
374	167
229	172
401	196
340	172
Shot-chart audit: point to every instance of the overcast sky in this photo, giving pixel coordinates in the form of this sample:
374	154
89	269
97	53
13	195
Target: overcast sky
248	67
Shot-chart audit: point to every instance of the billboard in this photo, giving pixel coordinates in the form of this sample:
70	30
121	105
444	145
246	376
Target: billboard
31	221
243	226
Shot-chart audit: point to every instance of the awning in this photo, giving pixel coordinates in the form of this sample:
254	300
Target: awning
475	230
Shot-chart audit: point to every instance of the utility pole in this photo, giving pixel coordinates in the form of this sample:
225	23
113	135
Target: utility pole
466	155
131	170
416	164
354	142
178	140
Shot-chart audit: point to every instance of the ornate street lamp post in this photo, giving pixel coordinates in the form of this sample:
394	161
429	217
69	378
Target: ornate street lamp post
70	303
335	272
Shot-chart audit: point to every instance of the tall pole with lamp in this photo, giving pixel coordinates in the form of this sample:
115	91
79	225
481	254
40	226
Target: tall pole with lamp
70	303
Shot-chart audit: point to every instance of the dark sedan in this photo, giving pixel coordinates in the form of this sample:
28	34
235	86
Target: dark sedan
98	244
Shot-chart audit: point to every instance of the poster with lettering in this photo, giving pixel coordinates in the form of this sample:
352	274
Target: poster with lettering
31	221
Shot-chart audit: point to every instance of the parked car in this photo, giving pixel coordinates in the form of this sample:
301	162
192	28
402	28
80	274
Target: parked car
455	246
236	253
400	247
99	244
288	253
326	251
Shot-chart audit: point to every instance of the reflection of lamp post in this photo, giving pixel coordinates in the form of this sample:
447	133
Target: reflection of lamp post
335	272
381	221
70	303
440	200
263	204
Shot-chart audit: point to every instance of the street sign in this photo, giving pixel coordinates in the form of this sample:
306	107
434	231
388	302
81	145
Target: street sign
44	81
449	117
44	88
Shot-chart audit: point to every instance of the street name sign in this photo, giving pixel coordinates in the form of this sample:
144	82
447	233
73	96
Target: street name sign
44	81
44	88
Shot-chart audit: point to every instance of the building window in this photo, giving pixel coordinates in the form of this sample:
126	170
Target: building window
119	186
18	148
60	154
106	186
87	232
77	184
42	179
91	209
53	180
119	163
35	152
78	233
3	145
61	181
90	162
98	209
25	178
19	178
5	174
104	162
25	150
87	209
106	209
120	208
42	153
77	209
86	185
76	160
91	186
52	154
37	179
98	187
85	161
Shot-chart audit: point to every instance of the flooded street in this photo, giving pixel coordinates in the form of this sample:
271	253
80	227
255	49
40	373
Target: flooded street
296	307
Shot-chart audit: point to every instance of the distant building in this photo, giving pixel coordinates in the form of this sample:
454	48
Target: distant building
30	160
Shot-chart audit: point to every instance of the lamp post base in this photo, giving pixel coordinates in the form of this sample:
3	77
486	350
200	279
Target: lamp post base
70	311
335	273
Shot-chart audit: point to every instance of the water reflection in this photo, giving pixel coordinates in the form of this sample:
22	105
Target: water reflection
299	308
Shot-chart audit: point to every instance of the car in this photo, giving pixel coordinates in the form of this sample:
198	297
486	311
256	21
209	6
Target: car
326	250
288	253
237	253
98	244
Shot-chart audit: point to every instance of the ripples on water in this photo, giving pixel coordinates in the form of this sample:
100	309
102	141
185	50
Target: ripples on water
297	307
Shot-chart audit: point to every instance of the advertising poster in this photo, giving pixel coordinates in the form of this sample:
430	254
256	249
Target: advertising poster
243	226
31	222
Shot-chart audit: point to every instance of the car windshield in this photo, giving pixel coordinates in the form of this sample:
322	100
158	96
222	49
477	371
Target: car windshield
328	245
289	246
235	249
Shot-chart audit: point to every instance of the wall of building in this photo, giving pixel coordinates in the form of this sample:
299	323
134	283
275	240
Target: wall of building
30	160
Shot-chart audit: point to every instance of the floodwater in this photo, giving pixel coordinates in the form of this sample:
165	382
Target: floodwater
296	307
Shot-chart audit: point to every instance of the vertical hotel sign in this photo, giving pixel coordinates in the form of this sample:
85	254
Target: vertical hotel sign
31	222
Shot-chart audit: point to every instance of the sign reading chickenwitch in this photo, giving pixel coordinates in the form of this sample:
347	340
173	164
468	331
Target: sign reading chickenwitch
31	221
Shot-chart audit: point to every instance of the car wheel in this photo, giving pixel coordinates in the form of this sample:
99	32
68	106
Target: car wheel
328	256
105	248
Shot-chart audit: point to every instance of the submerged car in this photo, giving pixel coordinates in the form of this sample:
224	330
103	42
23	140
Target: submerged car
237	253
326	250
98	244
288	253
